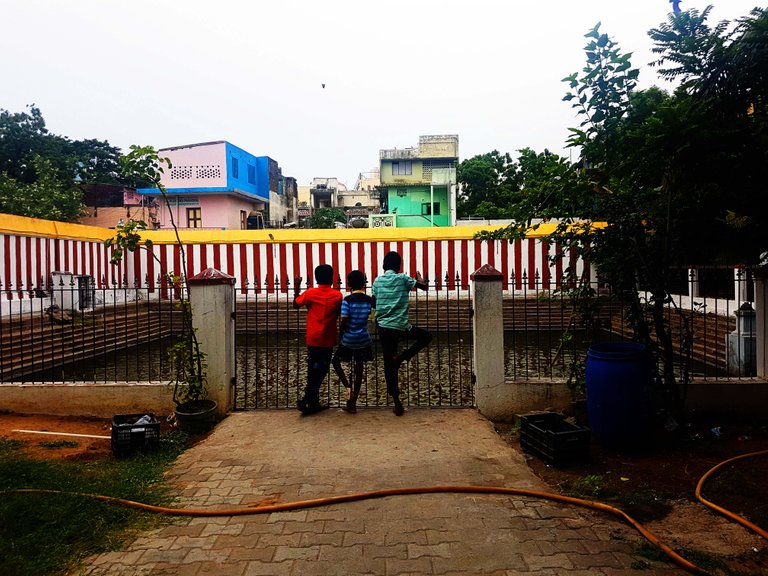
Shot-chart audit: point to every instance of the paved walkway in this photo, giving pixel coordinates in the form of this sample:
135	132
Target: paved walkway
255	456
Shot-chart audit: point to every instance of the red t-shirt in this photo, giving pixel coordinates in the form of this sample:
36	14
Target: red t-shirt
323	306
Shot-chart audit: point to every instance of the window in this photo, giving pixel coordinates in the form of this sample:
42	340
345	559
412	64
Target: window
404	168
243	220
251	174
235	168
425	209
194	218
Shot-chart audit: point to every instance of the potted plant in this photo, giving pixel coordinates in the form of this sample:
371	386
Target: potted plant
194	412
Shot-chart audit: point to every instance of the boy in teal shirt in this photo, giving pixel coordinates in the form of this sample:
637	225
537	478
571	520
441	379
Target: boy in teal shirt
390	292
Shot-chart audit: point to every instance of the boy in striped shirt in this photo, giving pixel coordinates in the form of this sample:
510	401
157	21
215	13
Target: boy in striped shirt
355	344
390	293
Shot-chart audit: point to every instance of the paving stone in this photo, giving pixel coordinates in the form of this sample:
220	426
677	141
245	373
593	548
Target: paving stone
410	566
442	550
257	568
447	533
260	553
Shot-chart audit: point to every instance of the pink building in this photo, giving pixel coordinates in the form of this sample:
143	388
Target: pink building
216	185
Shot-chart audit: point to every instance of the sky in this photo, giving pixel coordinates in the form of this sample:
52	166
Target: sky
168	73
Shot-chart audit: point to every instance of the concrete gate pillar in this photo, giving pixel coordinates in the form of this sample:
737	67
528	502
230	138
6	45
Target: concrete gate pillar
488	351
213	304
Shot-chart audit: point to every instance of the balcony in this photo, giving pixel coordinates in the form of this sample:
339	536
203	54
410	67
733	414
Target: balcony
404	154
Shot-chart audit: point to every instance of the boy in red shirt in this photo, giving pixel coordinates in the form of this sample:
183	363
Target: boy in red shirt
323	307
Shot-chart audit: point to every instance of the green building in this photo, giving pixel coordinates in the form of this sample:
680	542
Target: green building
418	185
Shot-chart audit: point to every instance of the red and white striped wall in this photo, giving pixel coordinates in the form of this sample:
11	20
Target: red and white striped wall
266	259
524	263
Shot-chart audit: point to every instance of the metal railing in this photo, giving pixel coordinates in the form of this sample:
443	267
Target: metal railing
709	323
120	332
74	331
271	351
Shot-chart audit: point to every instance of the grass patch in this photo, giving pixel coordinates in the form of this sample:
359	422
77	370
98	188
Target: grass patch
53	444
8	445
590	486
49	534
651	552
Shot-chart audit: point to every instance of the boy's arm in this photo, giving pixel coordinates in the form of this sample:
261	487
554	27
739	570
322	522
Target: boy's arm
420	283
339	310
296	291
343	325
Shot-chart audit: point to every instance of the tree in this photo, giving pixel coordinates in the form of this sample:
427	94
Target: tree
39	170
661	168
49	197
492	183
143	163
488	183
326	218
21	138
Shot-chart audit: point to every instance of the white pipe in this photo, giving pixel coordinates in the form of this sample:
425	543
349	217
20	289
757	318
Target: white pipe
63	434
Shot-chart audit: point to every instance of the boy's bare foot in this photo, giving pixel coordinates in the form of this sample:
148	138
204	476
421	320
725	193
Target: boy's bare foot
351	407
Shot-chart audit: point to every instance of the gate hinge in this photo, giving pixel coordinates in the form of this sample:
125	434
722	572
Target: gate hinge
473	379
471	312
233	315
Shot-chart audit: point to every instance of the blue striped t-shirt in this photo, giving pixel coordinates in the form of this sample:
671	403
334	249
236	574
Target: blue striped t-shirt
356	307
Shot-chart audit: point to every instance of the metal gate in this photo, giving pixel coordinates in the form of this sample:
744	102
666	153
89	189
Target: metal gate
271	351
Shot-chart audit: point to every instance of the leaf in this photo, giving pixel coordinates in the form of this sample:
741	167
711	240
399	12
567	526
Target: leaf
594	32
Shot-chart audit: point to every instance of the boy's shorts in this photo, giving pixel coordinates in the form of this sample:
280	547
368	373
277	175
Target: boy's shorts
346	354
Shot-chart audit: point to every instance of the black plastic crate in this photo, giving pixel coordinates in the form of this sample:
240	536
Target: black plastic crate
129	437
550	437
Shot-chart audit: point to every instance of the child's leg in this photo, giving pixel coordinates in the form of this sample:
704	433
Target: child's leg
357	372
354	390
337	367
389	339
318	364
422	339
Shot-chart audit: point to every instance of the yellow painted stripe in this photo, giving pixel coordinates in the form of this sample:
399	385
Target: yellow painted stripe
22	226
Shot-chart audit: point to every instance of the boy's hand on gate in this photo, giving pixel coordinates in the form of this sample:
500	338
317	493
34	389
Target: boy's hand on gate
297	284
419	278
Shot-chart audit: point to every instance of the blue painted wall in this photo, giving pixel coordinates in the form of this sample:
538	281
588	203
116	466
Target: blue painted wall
246	172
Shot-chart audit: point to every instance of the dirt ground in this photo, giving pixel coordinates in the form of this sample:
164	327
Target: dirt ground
49	446
655	486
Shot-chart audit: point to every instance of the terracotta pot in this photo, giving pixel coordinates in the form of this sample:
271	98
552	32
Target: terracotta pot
196	416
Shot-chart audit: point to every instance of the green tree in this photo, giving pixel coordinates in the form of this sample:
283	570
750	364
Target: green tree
49	197
488	183
21	138
677	177
39	170
326	218
492	184
143	163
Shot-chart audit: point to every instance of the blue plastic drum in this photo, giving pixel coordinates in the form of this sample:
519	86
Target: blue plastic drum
619	379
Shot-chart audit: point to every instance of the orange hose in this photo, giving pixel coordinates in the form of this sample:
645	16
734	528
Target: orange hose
264	509
727	513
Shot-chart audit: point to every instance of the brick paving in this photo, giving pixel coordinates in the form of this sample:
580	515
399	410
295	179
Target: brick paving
256	456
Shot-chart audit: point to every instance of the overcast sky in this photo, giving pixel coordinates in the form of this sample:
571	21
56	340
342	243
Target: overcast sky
168	73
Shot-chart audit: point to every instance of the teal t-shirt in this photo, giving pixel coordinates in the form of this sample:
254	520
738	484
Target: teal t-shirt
391	291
